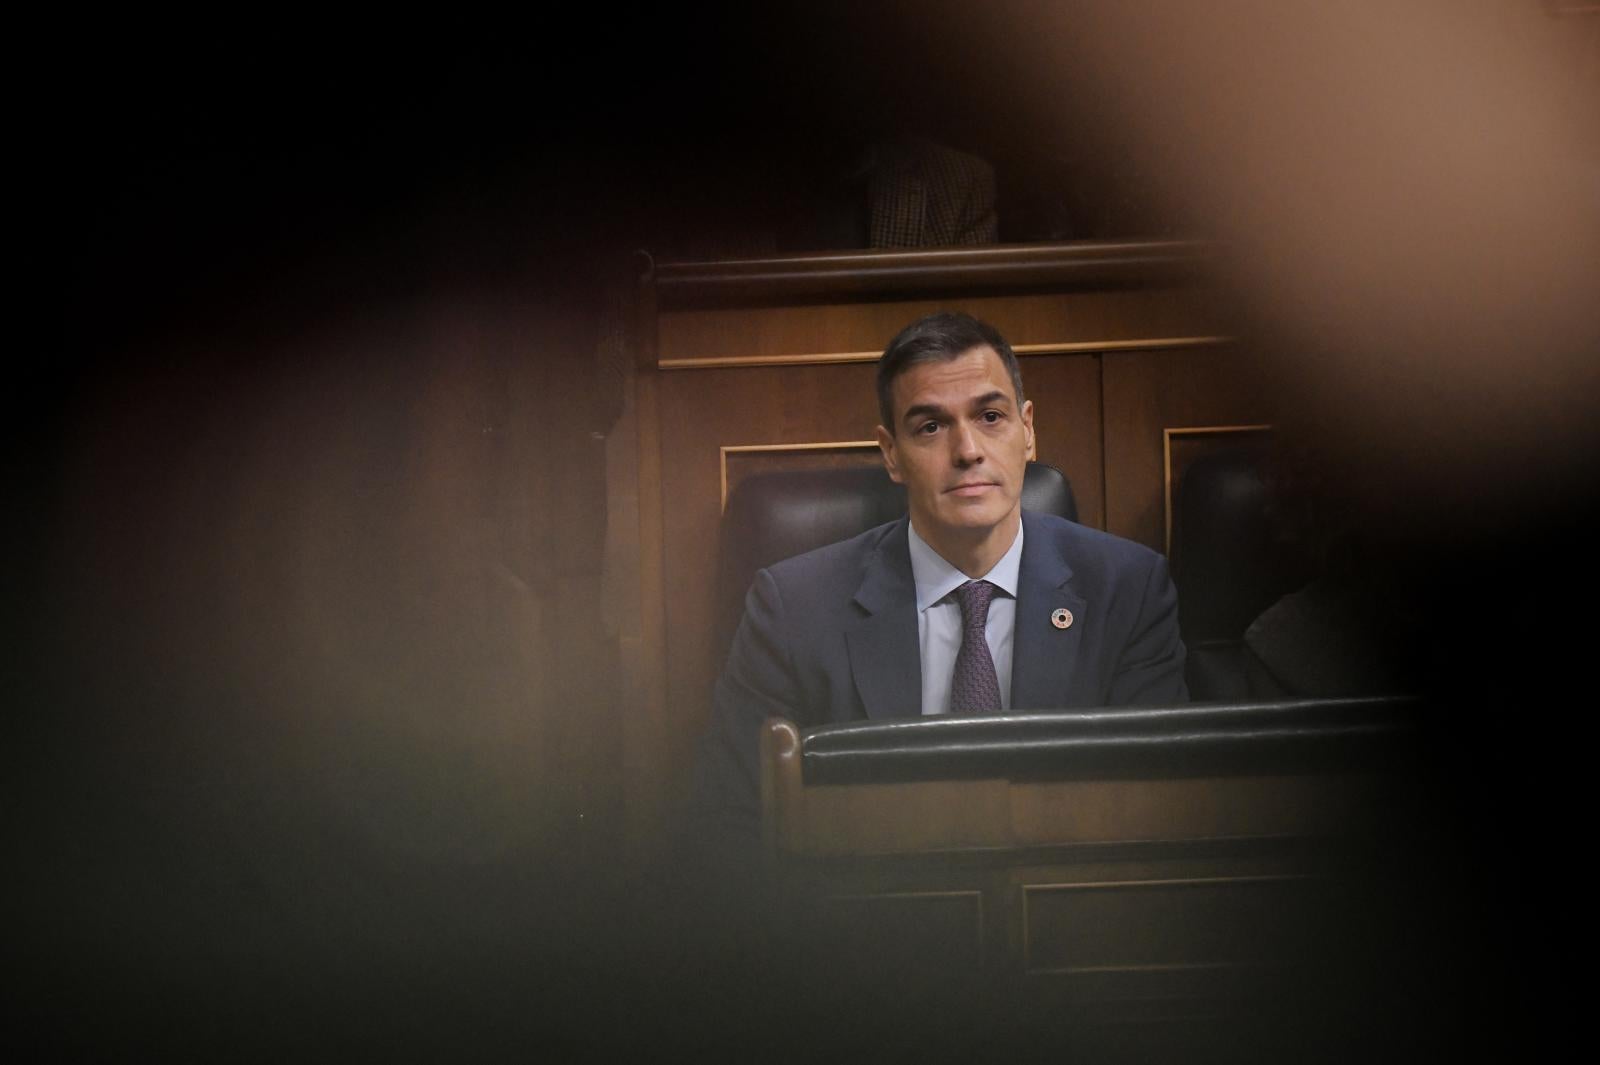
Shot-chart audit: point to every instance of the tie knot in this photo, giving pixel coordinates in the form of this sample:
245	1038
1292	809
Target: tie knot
975	597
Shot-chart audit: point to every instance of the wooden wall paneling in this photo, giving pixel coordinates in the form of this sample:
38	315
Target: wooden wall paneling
920	931
950	815
1148	392
1159	922
1065	390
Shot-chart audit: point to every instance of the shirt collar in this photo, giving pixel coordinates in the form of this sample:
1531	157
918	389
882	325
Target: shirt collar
935	578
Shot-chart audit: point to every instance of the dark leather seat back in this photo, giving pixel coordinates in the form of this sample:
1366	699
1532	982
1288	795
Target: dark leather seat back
774	516
1224	559
1229	563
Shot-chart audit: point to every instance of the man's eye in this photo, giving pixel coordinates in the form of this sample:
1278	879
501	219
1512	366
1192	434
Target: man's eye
992	416
928	428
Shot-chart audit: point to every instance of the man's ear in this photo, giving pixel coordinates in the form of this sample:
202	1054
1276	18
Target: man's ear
1031	445
890	462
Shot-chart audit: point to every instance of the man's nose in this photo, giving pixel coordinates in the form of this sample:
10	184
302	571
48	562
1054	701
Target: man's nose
964	445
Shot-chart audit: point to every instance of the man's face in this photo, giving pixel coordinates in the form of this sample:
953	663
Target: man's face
960	445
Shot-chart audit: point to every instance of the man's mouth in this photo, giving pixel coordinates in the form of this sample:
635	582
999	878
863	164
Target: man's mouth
971	488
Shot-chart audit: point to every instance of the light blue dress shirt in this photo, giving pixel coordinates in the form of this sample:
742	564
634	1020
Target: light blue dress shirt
939	619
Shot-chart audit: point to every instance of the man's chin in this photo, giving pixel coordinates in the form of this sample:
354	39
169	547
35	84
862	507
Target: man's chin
976	519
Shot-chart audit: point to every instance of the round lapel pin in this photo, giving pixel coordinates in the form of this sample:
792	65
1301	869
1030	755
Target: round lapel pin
1061	617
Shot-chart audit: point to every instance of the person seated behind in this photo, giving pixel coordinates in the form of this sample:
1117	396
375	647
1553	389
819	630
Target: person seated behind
966	606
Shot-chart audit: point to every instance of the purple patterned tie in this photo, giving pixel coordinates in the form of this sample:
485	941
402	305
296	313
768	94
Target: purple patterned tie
974	689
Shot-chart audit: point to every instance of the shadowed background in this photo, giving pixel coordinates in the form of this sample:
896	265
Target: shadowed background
315	728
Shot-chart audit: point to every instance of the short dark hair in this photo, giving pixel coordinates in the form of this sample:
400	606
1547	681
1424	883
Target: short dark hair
939	337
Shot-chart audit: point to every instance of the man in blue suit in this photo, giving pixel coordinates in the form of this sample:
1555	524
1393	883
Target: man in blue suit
967	605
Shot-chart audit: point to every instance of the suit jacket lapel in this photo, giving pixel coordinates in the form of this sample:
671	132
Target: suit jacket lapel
1043	655
885	655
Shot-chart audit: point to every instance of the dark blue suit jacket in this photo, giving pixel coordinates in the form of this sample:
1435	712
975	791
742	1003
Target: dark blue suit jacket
831	636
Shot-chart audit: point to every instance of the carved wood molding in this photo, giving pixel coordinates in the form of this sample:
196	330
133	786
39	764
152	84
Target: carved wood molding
1062	266
1074	347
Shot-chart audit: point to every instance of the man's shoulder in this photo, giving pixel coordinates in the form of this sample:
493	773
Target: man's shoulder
1082	539
1083	545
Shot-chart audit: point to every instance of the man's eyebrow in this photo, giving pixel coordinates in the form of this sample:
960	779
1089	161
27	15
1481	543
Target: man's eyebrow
922	410
933	410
